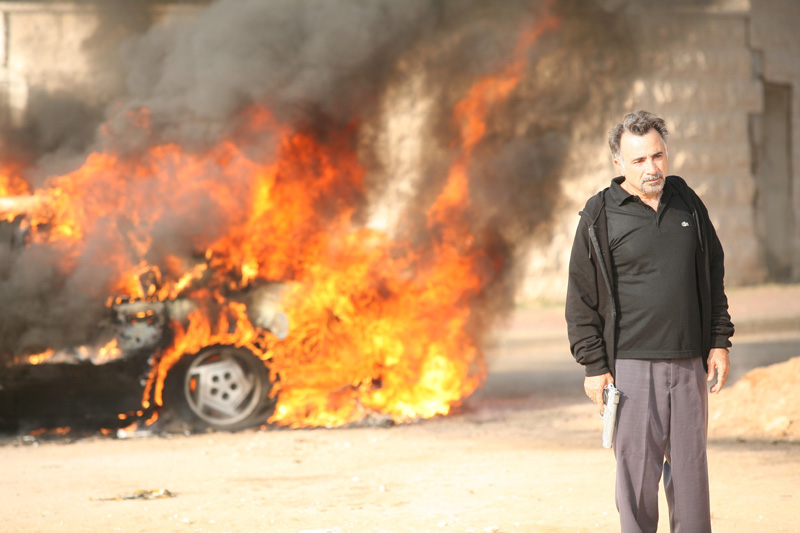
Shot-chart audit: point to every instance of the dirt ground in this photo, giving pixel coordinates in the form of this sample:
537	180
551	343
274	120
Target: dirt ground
523	455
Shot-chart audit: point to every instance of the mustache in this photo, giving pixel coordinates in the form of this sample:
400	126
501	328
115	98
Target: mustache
657	176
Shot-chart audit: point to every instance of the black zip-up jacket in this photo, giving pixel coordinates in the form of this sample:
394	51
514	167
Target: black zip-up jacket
592	304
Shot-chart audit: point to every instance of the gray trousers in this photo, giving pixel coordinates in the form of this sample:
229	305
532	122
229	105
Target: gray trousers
662	426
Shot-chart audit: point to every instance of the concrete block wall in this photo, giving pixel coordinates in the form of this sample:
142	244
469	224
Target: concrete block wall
696	69
54	46
42	50
775	37
707	99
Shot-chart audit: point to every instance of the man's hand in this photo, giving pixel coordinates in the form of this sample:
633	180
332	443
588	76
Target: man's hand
594	385
719	360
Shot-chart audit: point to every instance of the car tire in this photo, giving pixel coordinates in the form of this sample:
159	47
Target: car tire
220	387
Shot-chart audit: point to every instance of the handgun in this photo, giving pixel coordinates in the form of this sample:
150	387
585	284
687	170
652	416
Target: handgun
610	401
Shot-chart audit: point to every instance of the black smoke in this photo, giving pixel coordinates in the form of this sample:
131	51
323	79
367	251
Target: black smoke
320	65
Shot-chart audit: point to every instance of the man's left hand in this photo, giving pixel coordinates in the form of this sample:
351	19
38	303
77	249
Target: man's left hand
719	362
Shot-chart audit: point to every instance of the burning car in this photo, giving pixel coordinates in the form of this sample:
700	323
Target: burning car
200	257
378	327
211	246
378	197
157	285
112	381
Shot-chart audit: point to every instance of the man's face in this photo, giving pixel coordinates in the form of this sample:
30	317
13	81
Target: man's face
643	161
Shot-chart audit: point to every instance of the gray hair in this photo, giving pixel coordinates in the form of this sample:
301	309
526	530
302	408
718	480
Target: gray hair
638	123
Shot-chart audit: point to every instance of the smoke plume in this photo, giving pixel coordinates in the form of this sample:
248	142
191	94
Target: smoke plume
325	67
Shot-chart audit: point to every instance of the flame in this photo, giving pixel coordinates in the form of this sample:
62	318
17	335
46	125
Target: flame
38	358
394	344
11	181
379	323
61	431
109	351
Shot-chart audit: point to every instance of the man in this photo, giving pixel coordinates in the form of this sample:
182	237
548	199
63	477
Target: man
646	310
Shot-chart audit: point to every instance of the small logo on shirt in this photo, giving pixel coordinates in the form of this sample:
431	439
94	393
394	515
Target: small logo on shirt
685	224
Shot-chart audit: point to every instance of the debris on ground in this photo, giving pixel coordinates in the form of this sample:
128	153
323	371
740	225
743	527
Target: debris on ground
763	405
154	494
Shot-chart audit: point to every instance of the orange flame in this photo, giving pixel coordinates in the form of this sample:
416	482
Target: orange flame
54	431
11	182
379	325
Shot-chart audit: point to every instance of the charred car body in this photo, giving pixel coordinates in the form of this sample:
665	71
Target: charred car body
108	383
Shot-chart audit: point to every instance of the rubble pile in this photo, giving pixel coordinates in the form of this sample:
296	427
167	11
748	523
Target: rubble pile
763	405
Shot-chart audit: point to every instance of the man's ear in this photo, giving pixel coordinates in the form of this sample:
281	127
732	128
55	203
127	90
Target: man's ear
620	166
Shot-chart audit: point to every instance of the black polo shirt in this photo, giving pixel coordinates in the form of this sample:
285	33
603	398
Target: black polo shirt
653	263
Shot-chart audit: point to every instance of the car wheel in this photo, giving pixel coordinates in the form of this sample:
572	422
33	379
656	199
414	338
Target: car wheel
224	387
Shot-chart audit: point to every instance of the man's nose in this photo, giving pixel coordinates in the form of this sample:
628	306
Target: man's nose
650	166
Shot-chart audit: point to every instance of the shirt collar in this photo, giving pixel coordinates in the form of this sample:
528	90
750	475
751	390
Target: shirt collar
620	195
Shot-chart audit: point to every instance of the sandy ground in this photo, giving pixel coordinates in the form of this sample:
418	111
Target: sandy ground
523	455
